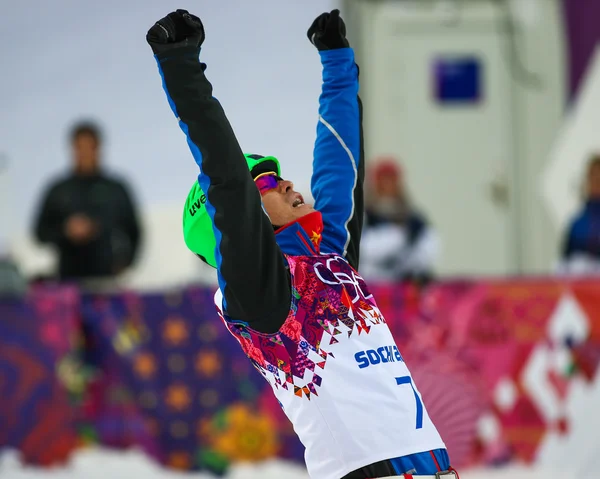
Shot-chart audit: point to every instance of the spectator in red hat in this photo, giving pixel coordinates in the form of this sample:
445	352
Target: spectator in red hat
398	243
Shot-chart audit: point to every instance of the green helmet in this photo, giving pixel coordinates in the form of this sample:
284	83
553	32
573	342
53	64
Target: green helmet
198	231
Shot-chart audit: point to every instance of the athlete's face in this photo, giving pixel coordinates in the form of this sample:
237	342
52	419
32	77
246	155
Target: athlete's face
282	203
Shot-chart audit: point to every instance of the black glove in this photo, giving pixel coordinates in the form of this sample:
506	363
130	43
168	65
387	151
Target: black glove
328	32
177	29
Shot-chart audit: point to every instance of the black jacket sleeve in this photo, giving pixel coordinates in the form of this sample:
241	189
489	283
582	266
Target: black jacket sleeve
253	276
49	224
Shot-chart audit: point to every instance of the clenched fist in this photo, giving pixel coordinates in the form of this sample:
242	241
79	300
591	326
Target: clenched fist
177	29
328	32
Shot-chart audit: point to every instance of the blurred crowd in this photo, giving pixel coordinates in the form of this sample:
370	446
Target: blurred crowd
91	219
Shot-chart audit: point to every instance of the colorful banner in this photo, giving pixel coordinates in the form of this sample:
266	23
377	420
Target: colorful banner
35	414
496	363
181	381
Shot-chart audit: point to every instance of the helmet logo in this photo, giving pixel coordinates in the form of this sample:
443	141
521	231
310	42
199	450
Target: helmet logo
197	205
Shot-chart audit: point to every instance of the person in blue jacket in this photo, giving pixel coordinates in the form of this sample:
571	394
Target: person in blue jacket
289	288
581	245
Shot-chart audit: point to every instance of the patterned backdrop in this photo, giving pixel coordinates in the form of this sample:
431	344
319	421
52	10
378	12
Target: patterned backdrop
160	372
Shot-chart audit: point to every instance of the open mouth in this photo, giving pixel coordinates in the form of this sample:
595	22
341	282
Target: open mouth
298	202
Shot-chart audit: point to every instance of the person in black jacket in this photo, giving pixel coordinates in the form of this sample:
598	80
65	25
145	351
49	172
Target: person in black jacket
89	216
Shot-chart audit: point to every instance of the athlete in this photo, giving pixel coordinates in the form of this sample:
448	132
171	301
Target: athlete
289	290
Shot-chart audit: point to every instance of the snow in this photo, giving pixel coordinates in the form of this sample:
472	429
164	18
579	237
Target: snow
97	463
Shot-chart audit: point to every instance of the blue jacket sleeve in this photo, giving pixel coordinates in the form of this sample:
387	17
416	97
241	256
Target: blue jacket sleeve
338	165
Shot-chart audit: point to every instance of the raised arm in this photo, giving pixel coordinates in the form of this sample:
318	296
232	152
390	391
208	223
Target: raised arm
251	270
338	168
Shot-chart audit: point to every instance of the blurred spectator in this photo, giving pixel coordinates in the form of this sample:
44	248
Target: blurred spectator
89	215
581	246
397	243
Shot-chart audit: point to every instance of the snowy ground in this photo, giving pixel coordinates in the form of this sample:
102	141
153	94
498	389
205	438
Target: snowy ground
105	464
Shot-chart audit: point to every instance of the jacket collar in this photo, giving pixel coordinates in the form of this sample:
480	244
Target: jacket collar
302	236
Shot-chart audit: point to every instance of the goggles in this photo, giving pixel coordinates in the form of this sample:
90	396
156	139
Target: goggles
266	182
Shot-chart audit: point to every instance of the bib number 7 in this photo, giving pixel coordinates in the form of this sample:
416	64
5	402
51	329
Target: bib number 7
407	380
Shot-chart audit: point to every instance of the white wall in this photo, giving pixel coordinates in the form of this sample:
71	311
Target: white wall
539	118
62	60
537	109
